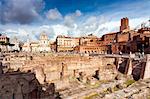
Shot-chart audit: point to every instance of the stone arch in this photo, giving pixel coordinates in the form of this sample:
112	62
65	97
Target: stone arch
122	66
138	71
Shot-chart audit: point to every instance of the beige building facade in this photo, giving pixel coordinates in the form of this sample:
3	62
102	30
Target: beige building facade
66	44
43	45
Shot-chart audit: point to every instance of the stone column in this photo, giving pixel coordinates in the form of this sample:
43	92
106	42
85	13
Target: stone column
147	67
129	67
63	72
119	60
116	63
1	68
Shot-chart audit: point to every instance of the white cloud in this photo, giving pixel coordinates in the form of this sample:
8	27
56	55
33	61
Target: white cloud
53	14
79	24
78	13
93	24
60	29
70	19
20	11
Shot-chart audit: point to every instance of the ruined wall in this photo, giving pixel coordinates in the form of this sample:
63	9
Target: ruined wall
19	86
59	69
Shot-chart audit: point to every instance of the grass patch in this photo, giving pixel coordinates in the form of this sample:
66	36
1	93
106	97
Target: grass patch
129	82
148	97
72	78
106	92
91	96
115	89
104	81
96	85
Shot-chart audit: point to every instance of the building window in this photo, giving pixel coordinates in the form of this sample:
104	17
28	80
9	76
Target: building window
91	40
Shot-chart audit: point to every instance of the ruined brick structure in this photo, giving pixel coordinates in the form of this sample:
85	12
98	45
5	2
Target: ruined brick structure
124	25
141	41
130	40
19	85
109	40
60	68
91	44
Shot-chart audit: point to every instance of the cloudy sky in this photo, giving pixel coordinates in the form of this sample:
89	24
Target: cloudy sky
28	18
